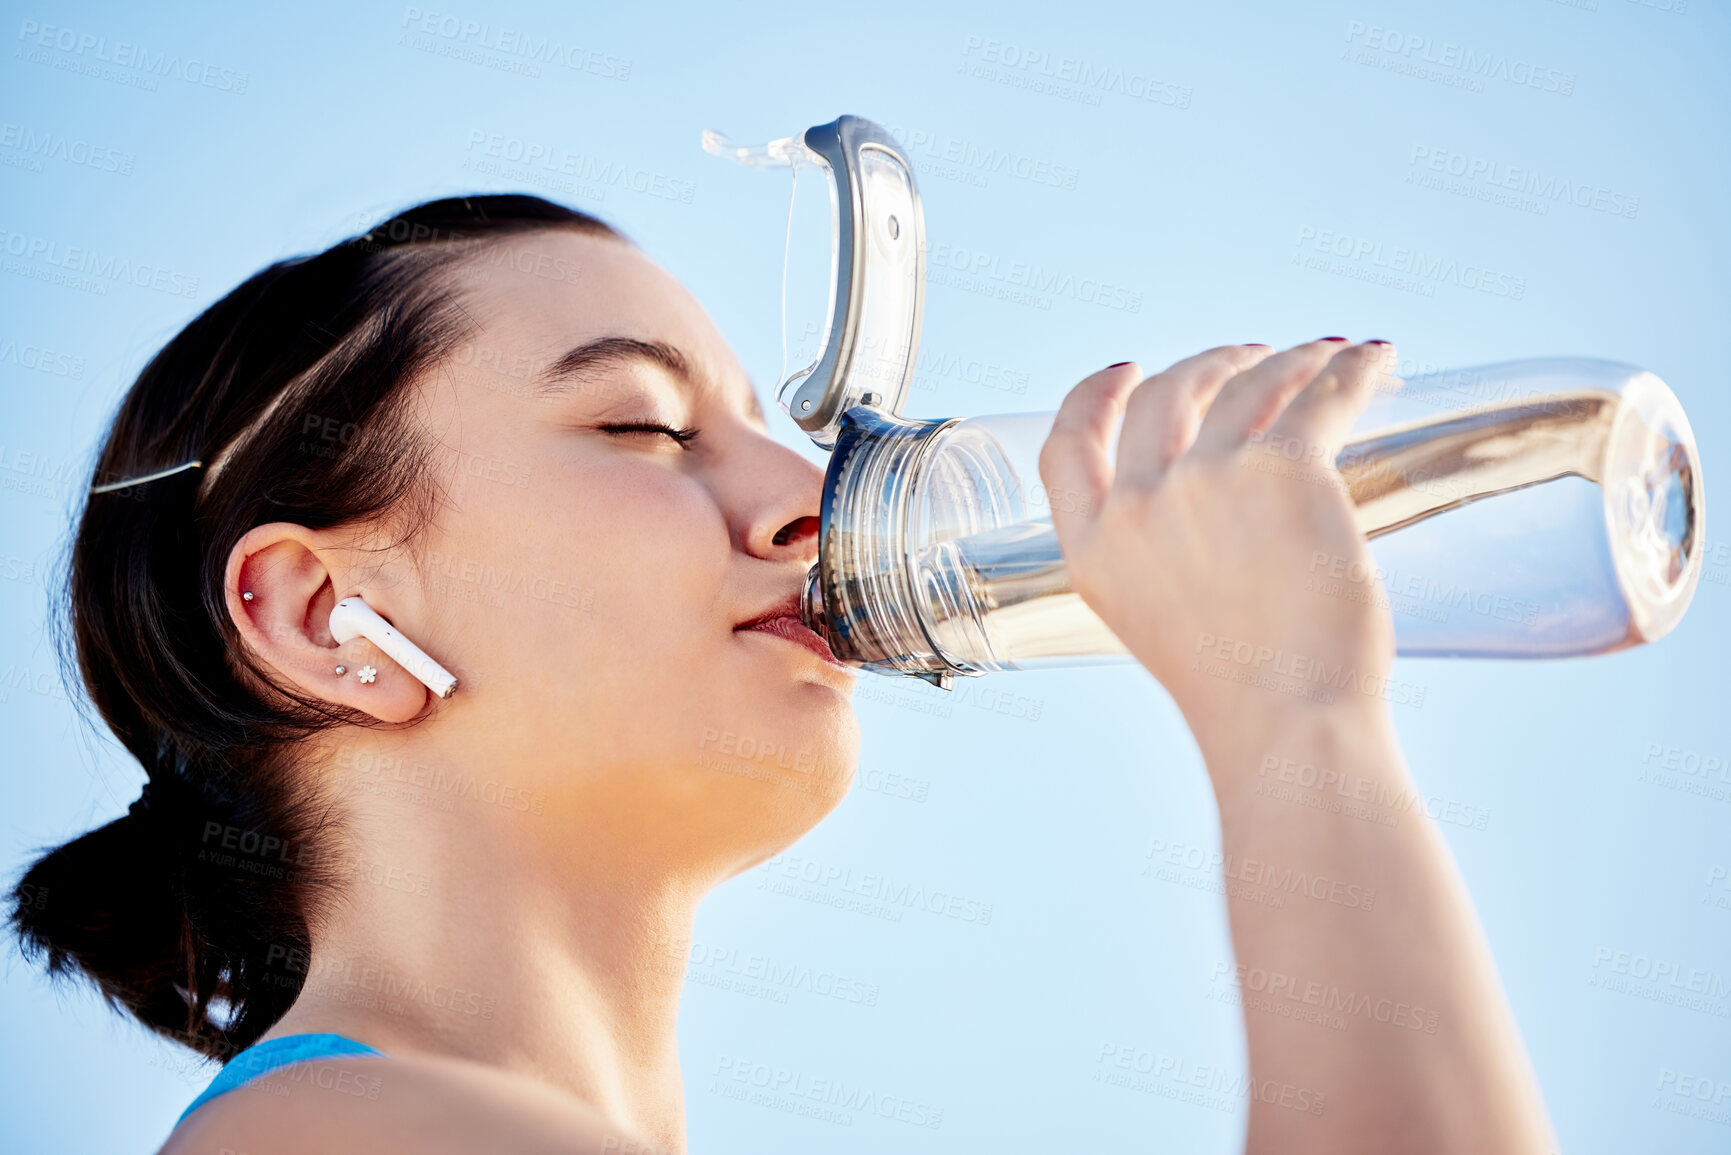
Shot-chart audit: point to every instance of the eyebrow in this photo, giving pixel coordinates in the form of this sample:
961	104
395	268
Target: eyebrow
608	352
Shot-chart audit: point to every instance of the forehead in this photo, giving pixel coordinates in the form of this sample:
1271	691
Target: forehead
546	293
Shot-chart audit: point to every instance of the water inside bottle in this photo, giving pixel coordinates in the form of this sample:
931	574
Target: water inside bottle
1536	509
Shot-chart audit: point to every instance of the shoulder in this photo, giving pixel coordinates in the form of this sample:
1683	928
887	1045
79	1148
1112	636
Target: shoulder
381	1106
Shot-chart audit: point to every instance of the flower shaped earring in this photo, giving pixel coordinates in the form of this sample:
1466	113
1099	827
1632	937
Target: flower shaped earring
367	674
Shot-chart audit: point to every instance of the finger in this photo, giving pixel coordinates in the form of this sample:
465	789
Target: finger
1250	402
1073	464
1162	415
1325	409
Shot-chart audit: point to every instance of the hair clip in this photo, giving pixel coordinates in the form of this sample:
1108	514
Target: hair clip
157	476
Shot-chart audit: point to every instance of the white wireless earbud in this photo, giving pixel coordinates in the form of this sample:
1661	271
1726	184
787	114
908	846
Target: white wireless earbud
353	618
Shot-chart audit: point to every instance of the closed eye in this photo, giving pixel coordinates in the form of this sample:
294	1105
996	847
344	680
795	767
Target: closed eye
679	435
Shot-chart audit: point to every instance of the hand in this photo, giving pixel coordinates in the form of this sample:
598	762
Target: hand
1200	550
1203	551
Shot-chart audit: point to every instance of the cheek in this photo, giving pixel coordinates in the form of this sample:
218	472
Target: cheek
656	551
591	568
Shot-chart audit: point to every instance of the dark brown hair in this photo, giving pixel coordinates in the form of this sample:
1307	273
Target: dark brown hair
184	910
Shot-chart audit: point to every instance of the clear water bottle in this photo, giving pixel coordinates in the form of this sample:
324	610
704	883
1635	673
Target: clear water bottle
1534	509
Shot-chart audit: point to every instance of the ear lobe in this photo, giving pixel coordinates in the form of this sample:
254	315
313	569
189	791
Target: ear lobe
288	569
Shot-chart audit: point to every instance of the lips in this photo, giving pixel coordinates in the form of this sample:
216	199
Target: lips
784	622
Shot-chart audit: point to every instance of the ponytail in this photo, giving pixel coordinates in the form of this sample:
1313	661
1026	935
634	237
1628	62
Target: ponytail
186	911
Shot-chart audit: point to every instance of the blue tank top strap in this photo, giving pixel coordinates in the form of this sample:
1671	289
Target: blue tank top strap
262	1058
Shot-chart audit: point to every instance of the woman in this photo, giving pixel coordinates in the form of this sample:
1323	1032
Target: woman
444	925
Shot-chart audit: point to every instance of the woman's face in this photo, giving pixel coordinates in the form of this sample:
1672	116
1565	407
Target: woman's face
590	576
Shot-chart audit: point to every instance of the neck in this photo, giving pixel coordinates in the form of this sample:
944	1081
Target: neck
456	935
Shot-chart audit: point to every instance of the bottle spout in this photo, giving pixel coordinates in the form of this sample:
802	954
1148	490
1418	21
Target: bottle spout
811	608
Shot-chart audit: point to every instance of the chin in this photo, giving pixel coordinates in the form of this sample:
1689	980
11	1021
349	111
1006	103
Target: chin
783	767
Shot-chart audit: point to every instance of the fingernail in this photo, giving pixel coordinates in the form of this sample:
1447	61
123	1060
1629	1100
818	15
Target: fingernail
1115	364
1259	345
1331	338
1377	342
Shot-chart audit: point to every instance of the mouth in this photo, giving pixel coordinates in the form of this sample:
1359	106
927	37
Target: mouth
784	622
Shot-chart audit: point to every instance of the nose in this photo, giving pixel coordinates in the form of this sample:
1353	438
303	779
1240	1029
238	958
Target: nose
780	504
800	529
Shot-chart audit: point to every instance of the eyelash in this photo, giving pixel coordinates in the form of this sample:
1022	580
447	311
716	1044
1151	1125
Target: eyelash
680	435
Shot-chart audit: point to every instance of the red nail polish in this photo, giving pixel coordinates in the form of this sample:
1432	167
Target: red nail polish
1331	338
1115	364
1376	342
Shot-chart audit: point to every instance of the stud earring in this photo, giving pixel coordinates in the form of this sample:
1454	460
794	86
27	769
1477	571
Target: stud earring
341	670
367	674
247	596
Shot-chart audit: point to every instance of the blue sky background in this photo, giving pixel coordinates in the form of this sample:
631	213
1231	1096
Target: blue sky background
1235	138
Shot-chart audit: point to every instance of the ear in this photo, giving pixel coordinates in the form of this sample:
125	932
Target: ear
291	573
